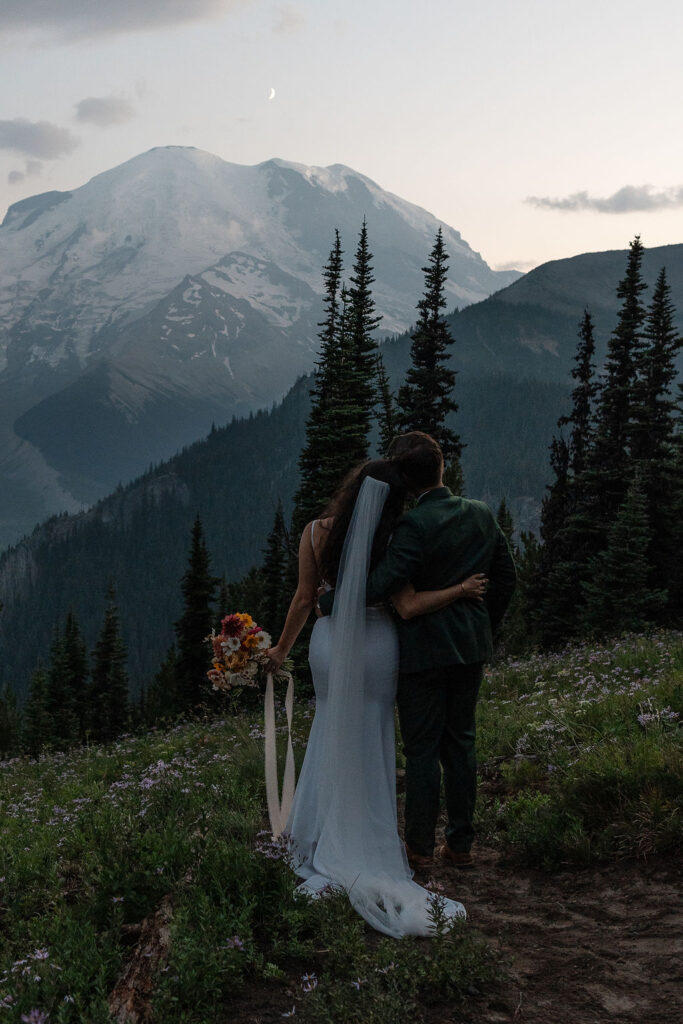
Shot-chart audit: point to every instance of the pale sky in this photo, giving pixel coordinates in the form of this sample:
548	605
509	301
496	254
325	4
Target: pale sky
469	110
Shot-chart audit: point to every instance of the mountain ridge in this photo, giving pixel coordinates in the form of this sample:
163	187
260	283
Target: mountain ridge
190	280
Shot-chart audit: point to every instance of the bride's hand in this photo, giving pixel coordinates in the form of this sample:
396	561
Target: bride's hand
275	658
474	587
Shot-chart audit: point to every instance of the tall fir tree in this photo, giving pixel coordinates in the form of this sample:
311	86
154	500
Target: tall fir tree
654	405
360	347
387	408
568	511
274	570
584	395
61	705
610	466
619	596
9	723
108	699
319	461
161	699
75	664
675	573
194	625
337	430
426	397
653	431
36	730
550	592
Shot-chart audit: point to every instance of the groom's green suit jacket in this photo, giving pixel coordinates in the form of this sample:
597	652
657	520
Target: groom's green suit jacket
441	541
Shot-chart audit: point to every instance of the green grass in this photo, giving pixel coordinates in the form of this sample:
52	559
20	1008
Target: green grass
94	840
580	759
581	751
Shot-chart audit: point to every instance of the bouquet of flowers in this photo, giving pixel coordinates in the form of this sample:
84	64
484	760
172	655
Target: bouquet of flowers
239	653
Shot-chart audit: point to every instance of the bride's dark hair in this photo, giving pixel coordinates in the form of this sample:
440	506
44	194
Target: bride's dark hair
341	509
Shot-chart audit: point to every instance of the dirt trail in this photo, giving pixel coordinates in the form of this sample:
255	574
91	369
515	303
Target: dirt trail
583	947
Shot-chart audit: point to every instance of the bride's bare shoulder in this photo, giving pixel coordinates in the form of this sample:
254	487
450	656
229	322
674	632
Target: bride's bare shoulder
327	523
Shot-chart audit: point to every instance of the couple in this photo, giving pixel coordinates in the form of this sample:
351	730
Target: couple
412	599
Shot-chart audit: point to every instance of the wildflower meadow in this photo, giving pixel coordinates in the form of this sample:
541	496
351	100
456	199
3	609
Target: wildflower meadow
154	852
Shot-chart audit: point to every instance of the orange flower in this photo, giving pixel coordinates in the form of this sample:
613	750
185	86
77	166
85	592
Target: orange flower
237	661
250	643
245	619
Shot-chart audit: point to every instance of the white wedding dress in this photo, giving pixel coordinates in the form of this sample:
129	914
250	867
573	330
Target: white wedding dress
343	829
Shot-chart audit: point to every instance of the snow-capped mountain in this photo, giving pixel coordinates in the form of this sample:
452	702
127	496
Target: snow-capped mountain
174	290
74	264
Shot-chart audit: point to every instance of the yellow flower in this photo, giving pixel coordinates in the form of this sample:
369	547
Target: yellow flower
236	662
245	619
250	642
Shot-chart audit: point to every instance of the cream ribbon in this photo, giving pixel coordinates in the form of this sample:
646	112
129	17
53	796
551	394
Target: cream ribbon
278	810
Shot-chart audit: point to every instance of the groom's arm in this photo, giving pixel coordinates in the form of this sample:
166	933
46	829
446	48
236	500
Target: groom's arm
398	566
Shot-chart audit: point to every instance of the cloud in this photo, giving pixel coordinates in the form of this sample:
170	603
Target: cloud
36	138
31	169
104	110
289	18
77	18
629	199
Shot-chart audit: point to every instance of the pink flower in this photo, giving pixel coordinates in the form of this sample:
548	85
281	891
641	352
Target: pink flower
232	625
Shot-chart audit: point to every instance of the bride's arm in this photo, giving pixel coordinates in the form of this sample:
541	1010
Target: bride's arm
301	604
409	602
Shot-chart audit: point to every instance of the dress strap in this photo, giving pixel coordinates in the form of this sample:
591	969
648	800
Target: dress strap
313	535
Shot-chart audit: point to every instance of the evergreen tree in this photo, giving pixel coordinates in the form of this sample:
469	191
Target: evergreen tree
610	462
194	625
516	633
344	394
274	568
654	423
36	730
75	666
61	701
246	594
550	619
108	699
568	511
675	573
387	408
319	461
9	723
360	348
619	597
654	405
161	703
583	396
425	399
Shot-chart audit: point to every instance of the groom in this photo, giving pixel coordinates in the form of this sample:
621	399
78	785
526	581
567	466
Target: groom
442	540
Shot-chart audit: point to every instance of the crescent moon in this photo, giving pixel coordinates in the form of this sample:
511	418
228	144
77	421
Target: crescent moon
272	93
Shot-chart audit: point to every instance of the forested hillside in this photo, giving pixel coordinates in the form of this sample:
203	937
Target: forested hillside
138	538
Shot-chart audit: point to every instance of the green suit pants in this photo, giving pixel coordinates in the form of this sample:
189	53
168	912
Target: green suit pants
436	712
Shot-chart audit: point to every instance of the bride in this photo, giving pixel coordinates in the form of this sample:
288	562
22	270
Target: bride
343	826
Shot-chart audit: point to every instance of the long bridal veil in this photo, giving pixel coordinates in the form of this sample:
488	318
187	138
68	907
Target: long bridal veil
356	845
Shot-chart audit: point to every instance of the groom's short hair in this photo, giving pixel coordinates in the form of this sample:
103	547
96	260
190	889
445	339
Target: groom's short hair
419	458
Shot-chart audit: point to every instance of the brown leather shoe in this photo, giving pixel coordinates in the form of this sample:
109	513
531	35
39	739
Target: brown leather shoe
418	861
456	858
